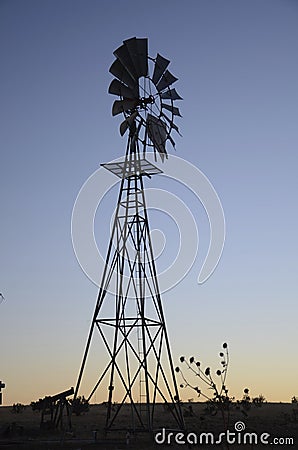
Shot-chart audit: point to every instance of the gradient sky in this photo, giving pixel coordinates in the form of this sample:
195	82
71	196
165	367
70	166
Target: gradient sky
237	67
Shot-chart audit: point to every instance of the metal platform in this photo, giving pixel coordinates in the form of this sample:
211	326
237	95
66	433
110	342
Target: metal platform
126	169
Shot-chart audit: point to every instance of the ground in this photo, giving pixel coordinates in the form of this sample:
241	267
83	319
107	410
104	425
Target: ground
279	420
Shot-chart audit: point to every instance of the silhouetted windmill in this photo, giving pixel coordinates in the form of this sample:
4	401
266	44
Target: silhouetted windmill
2	386
129	315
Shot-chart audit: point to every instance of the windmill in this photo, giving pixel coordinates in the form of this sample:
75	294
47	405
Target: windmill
2	386
137	371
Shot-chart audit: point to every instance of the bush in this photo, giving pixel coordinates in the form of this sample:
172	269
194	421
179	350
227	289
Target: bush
79	405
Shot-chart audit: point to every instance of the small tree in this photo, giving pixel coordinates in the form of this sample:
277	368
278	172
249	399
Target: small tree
79	405
295	409
17	408
259	401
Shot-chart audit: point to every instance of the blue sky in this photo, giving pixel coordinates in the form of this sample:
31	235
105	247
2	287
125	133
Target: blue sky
237	66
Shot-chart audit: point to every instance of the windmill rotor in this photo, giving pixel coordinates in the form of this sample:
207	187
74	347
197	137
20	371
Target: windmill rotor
144	86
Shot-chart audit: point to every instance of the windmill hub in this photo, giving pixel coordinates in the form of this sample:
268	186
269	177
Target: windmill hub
146	101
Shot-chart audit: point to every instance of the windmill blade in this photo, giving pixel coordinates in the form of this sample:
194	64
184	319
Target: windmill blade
120	106
172	141
138	51
171	108
161	64
118	88
166	80
172	94
172	124
157	132
143	56
124	57
127	123
118	70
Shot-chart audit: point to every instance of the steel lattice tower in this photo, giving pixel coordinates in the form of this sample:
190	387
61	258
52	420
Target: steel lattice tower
129	315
